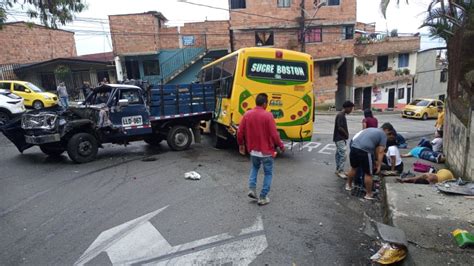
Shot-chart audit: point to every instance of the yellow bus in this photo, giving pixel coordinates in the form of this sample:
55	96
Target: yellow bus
285	76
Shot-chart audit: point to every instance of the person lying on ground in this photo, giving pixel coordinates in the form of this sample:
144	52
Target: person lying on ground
392	160
429	178
425	154
363	145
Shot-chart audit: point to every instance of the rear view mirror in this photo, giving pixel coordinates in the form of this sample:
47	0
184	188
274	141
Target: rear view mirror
123	102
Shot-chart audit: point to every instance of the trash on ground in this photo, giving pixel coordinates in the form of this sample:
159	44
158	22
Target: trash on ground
389	253
387	233
149	159
428	208
459	187
463	238
193	175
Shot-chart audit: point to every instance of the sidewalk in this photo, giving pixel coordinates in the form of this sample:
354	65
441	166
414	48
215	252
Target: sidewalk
428	217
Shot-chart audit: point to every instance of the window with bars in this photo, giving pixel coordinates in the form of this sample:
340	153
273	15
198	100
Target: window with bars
325	69
237	4
313	35
347	32
284	3
401	93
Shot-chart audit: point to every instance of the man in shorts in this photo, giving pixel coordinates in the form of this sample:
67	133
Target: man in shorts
364	145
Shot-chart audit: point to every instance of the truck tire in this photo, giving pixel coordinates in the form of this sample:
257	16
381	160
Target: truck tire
52	149
155	140
82	148
217	142
179	138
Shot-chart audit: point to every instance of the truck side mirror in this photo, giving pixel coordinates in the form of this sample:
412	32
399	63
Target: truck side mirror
123	102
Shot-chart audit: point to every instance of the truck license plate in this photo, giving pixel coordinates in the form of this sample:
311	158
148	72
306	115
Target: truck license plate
132	120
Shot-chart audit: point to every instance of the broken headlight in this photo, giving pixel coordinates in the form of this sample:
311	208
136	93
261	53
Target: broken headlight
39	121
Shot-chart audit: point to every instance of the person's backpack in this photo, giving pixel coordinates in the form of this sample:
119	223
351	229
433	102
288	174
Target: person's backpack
423	168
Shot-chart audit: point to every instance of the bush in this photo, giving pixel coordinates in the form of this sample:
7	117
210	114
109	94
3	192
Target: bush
360	70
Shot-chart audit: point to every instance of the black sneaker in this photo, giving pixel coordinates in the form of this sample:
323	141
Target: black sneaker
252	193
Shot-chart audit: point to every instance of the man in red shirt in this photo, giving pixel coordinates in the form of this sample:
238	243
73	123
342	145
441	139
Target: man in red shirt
259	136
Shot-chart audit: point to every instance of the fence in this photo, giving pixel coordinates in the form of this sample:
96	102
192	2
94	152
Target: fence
7	72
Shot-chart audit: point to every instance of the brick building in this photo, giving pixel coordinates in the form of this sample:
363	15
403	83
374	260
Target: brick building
147	49
339	45
22	43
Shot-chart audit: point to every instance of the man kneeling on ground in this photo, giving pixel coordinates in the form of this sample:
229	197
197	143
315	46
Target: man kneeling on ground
363	146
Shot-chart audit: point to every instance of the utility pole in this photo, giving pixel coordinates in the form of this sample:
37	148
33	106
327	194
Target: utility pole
302	27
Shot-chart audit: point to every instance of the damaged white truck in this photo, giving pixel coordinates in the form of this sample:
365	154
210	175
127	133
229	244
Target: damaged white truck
117	114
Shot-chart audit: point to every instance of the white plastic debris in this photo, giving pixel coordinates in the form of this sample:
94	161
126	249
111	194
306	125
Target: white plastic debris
193	175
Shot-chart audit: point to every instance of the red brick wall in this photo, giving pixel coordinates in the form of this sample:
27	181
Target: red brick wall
266	9
332	44
20	44
134	33
387	46
286	39
213	34
169	38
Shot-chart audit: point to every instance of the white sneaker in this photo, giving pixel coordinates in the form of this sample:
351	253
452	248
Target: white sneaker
347	188
342	175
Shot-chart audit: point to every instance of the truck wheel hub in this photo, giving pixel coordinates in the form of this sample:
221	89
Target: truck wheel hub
181	139
85	148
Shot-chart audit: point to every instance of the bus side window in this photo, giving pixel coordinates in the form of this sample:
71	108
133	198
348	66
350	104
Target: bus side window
228	73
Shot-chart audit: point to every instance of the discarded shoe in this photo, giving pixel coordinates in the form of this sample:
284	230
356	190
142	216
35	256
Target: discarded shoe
389	253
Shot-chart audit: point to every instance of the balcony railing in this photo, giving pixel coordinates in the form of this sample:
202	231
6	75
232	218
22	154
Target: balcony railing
378	44
367	80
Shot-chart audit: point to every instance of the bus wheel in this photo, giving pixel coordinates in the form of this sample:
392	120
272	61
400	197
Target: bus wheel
179	138
217	141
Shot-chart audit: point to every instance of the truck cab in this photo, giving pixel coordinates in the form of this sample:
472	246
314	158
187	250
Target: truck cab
118	114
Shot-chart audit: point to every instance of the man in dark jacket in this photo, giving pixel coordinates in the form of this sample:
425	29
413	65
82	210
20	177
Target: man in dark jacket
340	136
258	135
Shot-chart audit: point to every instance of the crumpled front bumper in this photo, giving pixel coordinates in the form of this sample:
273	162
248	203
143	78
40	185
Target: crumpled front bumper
37	140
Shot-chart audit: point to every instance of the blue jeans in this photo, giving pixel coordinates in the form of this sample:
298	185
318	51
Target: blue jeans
341	148
428	155
64	101
267	163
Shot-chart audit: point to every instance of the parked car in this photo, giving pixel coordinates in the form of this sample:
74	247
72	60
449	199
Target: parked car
33	95
11	106
422	108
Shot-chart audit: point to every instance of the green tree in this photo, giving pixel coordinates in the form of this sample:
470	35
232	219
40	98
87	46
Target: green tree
51	13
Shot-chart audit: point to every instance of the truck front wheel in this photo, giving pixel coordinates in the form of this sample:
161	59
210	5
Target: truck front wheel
179	138
82	148
52	149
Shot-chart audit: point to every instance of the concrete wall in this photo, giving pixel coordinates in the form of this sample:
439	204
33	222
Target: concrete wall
21	43
392	62
459	145
428	77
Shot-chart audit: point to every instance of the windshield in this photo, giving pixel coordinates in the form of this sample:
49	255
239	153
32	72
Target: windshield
34	88
268	69
420	103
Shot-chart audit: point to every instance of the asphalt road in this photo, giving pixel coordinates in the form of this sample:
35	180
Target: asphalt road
52	210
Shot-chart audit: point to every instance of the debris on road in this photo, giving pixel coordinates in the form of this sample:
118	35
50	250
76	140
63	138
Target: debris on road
389	253
193	175
458	187
463	238
149	159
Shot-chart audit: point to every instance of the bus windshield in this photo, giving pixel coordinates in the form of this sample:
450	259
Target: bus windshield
269	69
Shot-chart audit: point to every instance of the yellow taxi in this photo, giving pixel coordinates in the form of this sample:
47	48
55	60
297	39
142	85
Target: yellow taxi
33	95
422	108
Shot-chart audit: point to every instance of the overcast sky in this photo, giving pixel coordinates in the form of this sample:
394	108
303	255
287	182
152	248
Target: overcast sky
90	39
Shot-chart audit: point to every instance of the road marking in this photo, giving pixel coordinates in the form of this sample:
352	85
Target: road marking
329	147
138	242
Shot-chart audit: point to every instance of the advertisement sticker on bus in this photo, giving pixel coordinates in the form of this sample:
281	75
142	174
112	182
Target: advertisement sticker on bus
277	69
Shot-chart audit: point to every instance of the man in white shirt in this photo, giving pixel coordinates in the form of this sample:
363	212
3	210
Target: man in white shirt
437	142
393	160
